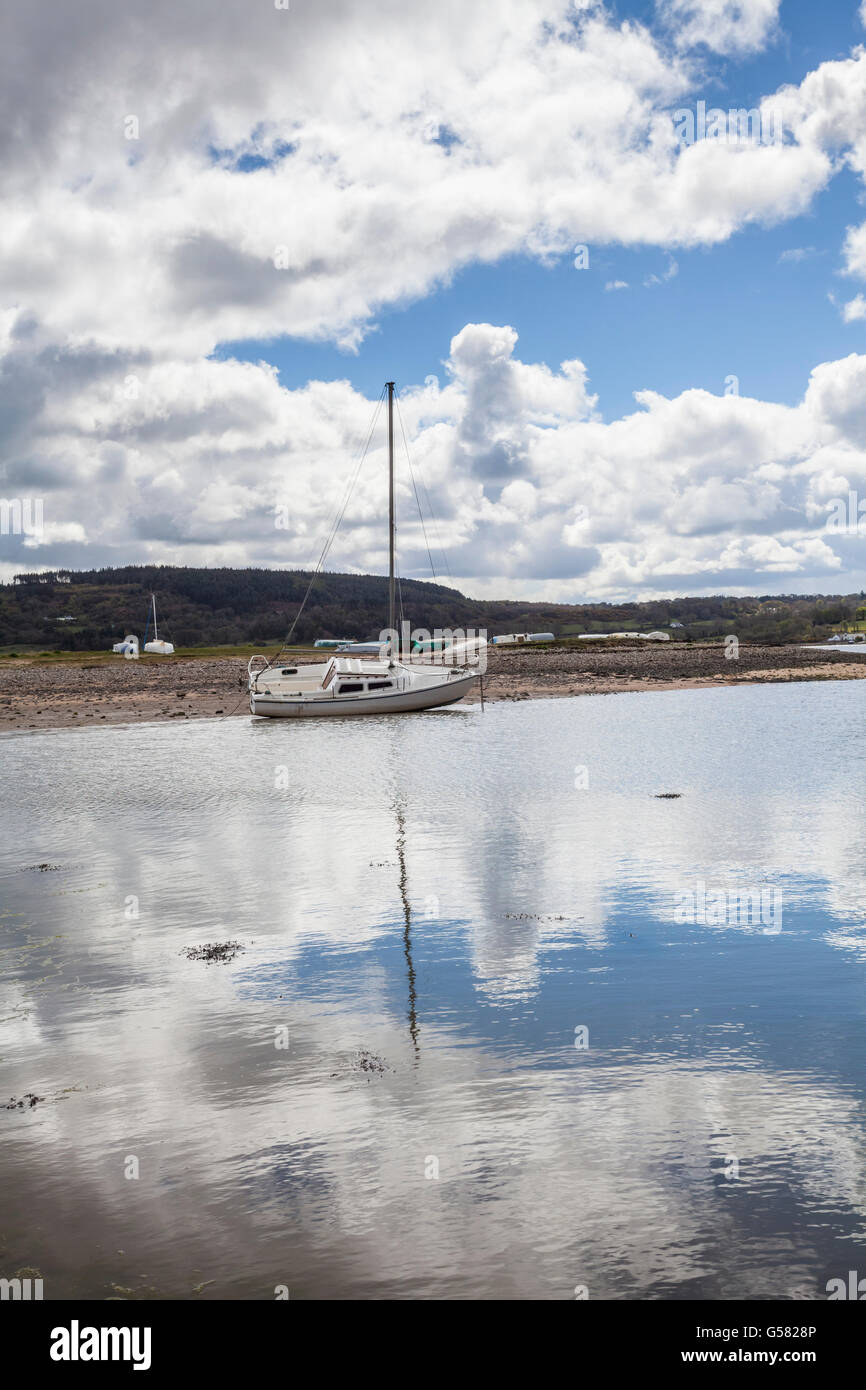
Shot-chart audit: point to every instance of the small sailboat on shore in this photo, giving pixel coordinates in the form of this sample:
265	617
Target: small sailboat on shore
345	685
155	646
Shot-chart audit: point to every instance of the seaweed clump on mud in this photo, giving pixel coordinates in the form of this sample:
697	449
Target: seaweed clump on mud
26	1102
368	1061
534	916
365	1061
214	952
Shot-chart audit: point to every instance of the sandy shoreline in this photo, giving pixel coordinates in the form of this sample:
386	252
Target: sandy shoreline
62	695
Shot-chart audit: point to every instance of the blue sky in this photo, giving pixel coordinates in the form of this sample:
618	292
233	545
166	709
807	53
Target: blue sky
733	308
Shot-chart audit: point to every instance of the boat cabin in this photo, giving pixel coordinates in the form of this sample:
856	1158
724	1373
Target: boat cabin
348	677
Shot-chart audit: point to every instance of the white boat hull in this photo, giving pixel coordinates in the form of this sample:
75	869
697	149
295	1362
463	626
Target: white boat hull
399	702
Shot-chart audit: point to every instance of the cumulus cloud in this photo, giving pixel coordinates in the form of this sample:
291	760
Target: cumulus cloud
722	25
533	492
274	183
203	174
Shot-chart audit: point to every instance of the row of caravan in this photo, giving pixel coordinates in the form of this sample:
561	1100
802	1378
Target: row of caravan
611	636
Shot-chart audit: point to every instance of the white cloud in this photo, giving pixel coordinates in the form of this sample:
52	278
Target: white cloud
667	274
56	533
795	254
520	127
854	309
535	495
515	128
726	26
855	251
617	285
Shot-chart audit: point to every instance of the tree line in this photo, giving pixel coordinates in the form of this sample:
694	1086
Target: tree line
90	609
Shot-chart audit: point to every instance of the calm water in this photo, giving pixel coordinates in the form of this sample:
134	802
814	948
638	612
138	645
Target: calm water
382	1095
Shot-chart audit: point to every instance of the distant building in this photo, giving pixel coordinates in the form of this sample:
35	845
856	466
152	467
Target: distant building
675	624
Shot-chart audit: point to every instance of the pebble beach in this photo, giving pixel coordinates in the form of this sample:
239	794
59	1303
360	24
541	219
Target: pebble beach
111	690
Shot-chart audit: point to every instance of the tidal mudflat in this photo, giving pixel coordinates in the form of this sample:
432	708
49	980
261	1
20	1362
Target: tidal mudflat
94	689
564	994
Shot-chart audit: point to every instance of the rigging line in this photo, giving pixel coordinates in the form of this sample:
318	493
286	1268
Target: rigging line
431	513
339	519
435	524
433	521
341	511
415	490
334	528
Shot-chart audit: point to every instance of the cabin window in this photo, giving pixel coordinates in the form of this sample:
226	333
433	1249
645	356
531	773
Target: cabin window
289	671
351	687
381	685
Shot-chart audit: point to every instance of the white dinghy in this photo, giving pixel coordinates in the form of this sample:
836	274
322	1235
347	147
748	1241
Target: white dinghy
128	647
347	685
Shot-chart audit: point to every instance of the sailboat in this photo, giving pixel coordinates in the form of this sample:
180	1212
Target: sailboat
346	685
155	645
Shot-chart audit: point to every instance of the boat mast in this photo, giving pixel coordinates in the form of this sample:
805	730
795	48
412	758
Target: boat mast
155	633
391	526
